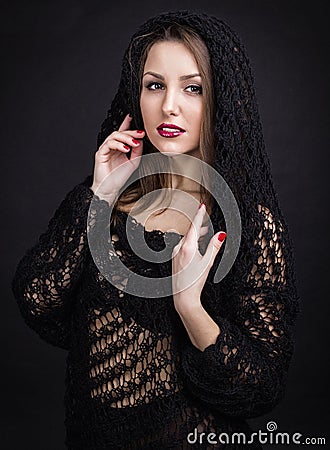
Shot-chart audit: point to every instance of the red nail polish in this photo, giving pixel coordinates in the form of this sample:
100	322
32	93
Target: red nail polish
135	141
222	236
126	147
139	131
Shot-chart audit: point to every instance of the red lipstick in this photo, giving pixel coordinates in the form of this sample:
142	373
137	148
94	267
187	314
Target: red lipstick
170	130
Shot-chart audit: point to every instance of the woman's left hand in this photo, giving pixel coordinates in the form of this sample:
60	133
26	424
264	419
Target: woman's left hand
189	268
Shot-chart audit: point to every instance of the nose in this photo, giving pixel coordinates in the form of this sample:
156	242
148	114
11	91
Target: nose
170	102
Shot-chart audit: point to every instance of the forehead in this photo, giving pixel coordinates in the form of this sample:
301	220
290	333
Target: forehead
170	56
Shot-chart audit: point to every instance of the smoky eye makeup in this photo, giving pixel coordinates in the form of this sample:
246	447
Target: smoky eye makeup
195	88
153	85
157	85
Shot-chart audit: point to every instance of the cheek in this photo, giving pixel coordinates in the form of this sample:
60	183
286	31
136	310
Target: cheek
194	110
199	117
195	119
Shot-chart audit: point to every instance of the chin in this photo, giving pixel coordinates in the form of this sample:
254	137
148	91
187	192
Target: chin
170	147
175	151
181	151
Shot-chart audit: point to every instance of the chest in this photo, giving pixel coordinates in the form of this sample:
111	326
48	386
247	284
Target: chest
178	217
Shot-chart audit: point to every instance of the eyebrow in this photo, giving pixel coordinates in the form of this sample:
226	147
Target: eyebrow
183	77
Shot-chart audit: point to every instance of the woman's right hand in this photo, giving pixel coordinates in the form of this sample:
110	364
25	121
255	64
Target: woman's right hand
111	155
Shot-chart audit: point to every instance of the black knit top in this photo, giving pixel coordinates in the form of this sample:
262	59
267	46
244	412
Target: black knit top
134	379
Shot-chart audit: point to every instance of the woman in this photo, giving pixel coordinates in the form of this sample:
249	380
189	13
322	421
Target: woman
168	372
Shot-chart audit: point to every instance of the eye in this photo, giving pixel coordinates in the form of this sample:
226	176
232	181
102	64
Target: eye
196	89
153	86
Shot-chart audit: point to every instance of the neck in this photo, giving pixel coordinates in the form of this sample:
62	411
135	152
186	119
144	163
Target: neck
190	169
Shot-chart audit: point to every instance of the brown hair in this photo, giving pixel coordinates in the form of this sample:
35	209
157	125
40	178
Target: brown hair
146	184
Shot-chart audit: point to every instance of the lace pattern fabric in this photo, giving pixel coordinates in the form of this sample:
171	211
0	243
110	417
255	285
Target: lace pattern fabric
129	353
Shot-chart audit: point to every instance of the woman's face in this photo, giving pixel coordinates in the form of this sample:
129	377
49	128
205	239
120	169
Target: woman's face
172	95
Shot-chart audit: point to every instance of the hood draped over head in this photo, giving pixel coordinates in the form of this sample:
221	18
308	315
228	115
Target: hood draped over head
239	148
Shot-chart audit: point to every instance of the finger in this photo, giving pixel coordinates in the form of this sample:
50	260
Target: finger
131	141
195	226
134	134
137	134
123	135
111	144
214	246
137	152
126	124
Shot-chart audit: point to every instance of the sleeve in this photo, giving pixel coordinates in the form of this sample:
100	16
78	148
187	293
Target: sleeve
244	373
47	275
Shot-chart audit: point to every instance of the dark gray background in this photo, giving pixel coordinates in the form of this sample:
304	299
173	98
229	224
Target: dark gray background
60	68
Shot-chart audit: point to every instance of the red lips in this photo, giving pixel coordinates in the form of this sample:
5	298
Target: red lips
170	130
171	126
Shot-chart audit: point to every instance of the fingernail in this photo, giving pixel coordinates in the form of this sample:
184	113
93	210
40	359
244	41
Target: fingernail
139	131
200	205
222	236
135	141
126	147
